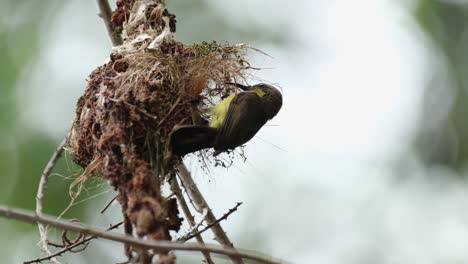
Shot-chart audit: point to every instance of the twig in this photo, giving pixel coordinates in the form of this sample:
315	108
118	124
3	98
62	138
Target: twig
70	247
108	204
134	107
193	229
198	199
106	14
188	215
161	246
199	210
169	112
198	233
40	195
55	244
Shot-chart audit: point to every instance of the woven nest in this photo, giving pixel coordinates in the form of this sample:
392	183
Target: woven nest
131	104
137	98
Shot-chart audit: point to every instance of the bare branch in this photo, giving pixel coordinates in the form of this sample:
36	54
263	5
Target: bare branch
195	228
161	246
196	196
106	14
108	204
188	215
70	247
198	233
40	195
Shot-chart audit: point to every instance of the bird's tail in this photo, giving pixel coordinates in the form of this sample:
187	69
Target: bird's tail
187	139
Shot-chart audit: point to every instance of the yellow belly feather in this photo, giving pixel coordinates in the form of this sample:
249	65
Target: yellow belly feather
219	111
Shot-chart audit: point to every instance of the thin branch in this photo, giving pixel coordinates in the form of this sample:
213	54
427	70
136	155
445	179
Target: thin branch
161	246
70	247
198	233
108	204
193	229
40	196
188	215
106	14
192	189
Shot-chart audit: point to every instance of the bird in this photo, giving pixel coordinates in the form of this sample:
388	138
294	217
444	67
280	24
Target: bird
234	121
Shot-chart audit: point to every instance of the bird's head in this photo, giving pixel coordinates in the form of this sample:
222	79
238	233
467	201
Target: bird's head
260	88
270	96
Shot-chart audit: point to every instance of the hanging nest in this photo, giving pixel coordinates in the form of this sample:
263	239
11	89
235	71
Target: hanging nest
150	84
138	97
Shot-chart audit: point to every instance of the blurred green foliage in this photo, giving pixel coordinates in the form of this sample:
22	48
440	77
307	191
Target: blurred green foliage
198	21
24	152
446	23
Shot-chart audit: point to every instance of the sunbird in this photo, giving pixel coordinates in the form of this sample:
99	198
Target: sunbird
234	121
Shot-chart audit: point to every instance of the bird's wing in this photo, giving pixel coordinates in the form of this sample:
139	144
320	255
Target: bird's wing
244	118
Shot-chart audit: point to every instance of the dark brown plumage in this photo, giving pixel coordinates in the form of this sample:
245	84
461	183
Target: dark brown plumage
247	112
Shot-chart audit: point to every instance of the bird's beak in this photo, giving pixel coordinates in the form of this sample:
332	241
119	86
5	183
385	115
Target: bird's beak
241	86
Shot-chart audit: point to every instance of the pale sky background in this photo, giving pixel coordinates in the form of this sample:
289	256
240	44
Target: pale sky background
327	191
